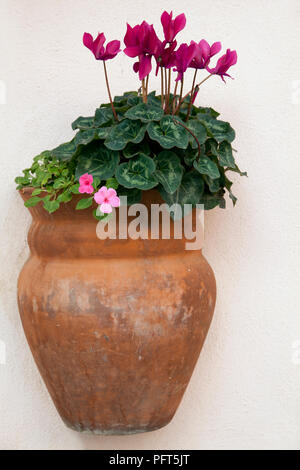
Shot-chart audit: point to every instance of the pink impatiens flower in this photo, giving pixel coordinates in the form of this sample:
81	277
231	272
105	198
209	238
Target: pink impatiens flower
107	199
85	184
97	47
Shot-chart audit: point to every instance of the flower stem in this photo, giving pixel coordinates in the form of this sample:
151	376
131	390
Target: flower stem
192	94
162	86
147	83
109	93
180	97
197	86
174	98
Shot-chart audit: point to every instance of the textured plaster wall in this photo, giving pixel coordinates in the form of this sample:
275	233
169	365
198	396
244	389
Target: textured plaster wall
244	393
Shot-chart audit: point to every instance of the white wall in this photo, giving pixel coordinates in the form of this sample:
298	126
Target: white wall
244	393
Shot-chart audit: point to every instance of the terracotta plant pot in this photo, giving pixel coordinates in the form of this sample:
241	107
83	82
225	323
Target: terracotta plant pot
116	326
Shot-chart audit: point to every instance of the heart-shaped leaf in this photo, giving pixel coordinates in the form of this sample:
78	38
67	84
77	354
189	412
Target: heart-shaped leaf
65	152
137	173
225	155
220	130
145	112
132	150
168	133
189	192
199	131
84	137
205	166
103	116
169	170
97	160
124	132
83	123
210	201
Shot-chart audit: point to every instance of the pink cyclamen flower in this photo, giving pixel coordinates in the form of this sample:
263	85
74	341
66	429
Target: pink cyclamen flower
141	41
165	55
184	56
85	184
172	27
223	64
97	47
107	199
204	52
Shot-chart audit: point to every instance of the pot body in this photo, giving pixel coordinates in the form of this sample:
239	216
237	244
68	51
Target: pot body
116	326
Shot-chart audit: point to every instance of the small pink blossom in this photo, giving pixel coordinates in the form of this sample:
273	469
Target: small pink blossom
85	184
107	199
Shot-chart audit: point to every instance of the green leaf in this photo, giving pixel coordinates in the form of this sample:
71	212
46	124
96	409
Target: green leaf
225	155
33	201
83	123
103	132
211	146
36	192
65	151
84	203
145	112
210	201
84	137
134	195
205	166
237	170
97	160
213	184
137	173
112	183
50	206
131	150
169	170
75	188
168	134
220	130
103	116
199	131
59	183
210	111
189	192
66	196
124	132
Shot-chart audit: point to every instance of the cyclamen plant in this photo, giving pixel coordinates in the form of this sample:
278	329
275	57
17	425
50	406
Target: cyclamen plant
140	141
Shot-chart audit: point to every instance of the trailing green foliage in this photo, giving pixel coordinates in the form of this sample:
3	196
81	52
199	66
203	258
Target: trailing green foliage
185	160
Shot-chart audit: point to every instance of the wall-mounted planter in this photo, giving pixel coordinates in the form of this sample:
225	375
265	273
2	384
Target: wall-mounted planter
116	326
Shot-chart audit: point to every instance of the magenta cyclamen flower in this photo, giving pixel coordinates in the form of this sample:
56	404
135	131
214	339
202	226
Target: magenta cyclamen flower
141	41
184	56
224	63
85	184
172	27
107	199
204	52
97	47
